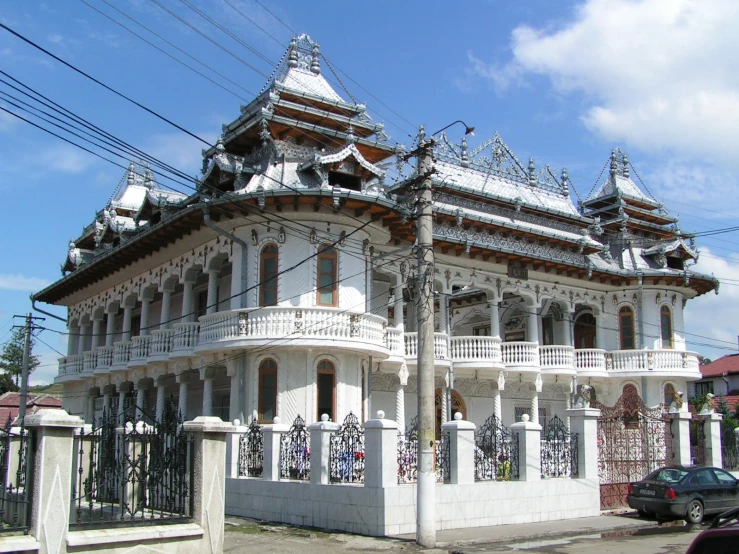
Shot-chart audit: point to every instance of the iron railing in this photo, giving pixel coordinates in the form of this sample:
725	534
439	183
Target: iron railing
407	455
14	472
558	450
346	463
729	448
251	451
133	473
697	442
295	452
496	452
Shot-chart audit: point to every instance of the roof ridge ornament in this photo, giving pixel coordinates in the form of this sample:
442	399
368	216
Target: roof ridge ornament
315	64
131	173
292	59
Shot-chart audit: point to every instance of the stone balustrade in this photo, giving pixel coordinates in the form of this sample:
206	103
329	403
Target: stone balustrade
556	357
590	359
121	352
105	357
161	342
140	347
71	365
441	346
476	349
651	360
521	354
185	336
394	341
89	361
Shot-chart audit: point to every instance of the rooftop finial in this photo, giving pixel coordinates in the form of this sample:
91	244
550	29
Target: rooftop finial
149	178
613	164
131	173
565	179
532	172
315	65
219	144
351	138
292	59
465	160
626	166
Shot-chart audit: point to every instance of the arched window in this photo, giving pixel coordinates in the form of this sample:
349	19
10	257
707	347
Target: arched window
665	321
585	330
669	394
268	275
626	328
458	405
327	286
326	384
267	390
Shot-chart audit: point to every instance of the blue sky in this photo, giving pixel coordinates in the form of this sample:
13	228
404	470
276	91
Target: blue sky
562	82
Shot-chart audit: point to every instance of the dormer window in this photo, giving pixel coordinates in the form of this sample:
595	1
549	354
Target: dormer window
344	180
675	263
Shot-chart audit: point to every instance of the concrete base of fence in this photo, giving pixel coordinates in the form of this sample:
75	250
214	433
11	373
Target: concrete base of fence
186	538
392	510
19	544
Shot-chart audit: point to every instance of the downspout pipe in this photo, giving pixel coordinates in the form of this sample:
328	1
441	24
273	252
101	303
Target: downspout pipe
39	310
237	240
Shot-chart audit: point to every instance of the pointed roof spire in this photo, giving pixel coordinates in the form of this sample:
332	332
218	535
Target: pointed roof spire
464	157
149	181
532	172
292	59
626	166
131	173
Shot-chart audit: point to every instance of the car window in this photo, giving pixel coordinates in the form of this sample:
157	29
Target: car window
668	475
704	477
723	477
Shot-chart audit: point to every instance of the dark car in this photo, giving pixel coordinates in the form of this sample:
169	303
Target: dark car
721	538
686	492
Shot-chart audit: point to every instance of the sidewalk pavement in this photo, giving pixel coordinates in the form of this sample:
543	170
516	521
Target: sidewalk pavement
245	536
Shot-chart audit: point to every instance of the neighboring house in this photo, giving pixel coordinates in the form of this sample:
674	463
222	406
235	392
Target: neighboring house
10	405
265	292
721	378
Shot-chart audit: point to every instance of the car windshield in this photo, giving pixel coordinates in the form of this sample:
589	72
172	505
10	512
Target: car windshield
667	475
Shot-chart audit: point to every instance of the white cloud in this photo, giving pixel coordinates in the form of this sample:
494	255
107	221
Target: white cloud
66	158
16	281
47	369
712	315
179	150
657	74
55	38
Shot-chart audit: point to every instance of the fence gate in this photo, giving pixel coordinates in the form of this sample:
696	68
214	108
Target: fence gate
633	440
730	448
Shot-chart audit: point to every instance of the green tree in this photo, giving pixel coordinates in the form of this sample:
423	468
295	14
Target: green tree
11	357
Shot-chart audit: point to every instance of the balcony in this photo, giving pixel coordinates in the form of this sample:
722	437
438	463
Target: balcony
121	355
70	367
441	348
557	359
162	341
185	339
89	362
638	362
293	328
140	347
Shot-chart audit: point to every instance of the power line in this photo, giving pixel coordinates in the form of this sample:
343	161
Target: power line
93	79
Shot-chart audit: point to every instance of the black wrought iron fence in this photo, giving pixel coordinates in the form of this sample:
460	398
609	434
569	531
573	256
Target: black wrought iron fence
407	455
14	472
133	473
698	442
558	450
496	452
251	451
346	463
729	448
442	459
295	452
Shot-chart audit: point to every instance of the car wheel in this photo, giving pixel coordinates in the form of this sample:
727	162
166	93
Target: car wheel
695	512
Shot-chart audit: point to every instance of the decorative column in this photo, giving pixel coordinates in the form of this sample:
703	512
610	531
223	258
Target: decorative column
495	318
444	408
533	325
529	449
106	401
187	315
140	396
272	439
182	379
209	479
600	341
535	407
567	329
398	320
400	397
161	399
236	370
84	331
584	423
212	291
680	427
381	453
444	313
97	332
320	450
50	495
72	340
121	402
145	309
126	334
497	408
206	375
461	450
92	394
166	309
110	327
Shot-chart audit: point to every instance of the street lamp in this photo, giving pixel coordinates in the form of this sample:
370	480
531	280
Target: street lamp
467	129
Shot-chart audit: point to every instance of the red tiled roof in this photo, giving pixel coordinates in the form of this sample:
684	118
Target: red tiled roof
732	400
725	365
10	404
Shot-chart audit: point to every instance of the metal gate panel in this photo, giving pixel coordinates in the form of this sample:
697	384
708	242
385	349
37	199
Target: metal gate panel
633	440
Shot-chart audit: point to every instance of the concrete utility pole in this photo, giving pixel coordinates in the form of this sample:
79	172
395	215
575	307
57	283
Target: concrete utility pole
24	374
426	496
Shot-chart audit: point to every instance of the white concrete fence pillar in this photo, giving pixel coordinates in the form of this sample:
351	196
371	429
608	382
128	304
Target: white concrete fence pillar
320	450
461	450
209	479
272	440
51	493
529	449
380	452
680	427
584	422
712	430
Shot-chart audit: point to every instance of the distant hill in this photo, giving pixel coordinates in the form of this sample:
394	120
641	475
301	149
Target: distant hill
56	389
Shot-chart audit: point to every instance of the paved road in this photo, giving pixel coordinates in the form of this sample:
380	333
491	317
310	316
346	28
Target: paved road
245	536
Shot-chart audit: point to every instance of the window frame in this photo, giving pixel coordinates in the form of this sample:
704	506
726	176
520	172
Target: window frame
327	252
669	388
266	366
623	311
326	367
263	256
666	311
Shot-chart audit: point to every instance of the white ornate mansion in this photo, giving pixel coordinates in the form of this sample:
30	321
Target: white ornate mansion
284	286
